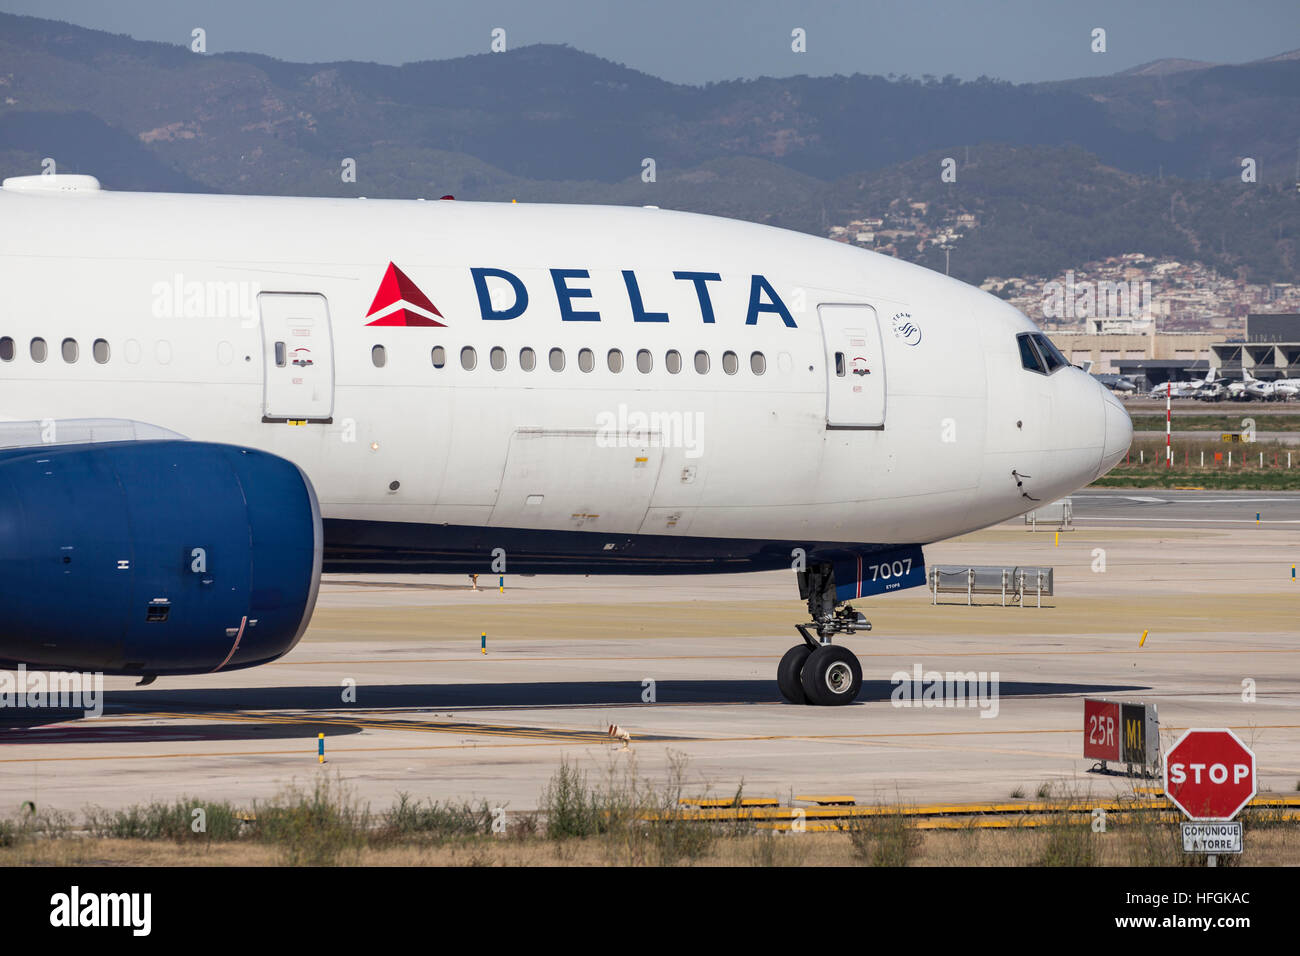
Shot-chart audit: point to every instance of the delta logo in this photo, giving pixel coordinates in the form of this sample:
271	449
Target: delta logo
399	302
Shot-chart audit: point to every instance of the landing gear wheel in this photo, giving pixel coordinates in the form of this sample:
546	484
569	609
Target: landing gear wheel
831	676
788	671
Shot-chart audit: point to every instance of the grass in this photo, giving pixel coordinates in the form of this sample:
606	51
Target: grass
182	820
634	818
1144	480
1190	422
320	826
1153	842
773	848
616	817
317	825
1145	466
886	839
27	827
432	822
571	809
1068	843
961	847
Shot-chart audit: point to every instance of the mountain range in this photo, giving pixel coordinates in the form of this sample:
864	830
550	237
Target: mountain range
1148	160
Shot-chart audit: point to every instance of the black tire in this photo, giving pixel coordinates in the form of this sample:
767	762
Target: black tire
831	676
788	673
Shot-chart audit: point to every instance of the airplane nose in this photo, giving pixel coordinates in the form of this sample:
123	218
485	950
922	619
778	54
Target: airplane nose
1119	431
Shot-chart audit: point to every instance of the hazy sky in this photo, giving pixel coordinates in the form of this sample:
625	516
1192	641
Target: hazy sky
691	41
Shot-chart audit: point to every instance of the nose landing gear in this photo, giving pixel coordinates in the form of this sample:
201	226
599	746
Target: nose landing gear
817	671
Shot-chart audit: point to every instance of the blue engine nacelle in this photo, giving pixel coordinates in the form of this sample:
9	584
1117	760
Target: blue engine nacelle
154	557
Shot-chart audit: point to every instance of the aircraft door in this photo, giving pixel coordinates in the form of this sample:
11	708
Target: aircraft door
298	357
855	369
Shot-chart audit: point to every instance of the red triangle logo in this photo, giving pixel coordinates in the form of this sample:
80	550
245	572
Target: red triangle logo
396	288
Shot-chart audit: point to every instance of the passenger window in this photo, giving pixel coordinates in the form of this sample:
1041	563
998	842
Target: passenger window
468	358
38	350
70	351
6	349
100	351
586	359
702	362
839	364
497	357
615	359
438	356
557	360
527	359
730	363
1029	354
673	361
281	357
644	361
378	356
757	363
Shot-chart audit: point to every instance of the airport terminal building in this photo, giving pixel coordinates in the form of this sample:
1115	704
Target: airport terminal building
1157	356
1269	350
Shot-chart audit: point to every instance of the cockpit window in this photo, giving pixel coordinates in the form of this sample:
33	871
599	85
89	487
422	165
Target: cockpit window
1050	353
1029	354
1038	354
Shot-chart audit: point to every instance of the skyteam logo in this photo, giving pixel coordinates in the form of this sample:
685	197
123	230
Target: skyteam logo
399	301
906	329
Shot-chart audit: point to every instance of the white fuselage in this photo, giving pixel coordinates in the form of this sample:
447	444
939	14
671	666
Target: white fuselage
178	288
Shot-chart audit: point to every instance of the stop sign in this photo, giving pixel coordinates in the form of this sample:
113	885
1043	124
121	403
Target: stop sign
1210	774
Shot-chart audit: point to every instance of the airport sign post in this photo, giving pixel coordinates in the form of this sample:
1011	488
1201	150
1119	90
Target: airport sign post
1101	730
1127	733
1212	838
1210	776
